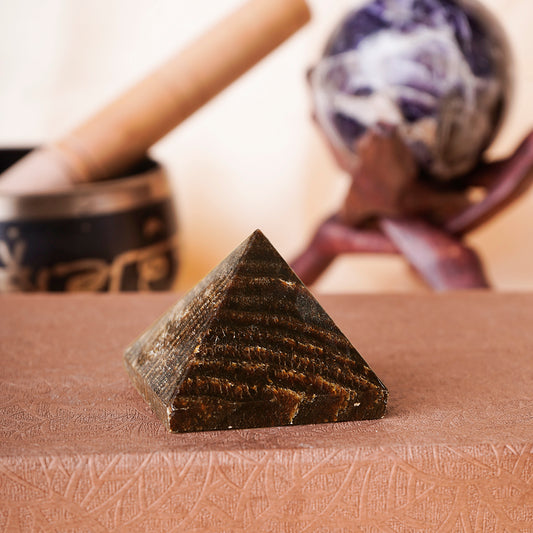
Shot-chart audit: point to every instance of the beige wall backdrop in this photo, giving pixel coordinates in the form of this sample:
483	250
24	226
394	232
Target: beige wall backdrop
251	158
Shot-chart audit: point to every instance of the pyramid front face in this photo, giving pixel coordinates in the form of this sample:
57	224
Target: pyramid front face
250	346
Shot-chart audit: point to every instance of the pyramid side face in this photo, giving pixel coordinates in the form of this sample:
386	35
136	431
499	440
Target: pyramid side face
159	358
272	356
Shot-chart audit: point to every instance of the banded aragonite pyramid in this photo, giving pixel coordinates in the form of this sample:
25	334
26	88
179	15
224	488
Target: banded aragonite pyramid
250	346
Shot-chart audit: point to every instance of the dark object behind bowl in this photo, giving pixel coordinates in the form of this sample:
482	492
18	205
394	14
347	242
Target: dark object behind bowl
115	235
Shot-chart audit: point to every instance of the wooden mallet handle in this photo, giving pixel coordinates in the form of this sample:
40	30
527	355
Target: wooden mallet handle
121	133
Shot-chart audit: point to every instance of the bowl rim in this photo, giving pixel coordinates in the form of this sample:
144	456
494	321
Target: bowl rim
135	190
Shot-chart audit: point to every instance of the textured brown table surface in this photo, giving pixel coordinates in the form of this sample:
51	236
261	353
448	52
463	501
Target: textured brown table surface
80	450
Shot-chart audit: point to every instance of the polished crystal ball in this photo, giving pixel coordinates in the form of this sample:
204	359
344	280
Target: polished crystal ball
438	71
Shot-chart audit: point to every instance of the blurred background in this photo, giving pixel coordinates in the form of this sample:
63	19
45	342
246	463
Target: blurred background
252	157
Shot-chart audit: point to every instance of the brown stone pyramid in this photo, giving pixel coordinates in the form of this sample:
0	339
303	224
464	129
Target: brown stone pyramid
250	346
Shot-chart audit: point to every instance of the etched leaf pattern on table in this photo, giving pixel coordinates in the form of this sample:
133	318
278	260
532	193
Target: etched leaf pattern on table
432	488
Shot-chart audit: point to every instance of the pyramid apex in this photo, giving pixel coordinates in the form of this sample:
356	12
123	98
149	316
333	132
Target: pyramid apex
257	237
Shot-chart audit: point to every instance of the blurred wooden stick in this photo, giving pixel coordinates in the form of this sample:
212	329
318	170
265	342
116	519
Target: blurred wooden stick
120	134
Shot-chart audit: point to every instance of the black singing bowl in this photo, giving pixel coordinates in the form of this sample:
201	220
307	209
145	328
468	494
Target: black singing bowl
114	235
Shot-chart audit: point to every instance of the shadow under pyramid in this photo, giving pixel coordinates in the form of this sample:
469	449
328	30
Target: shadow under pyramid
250	346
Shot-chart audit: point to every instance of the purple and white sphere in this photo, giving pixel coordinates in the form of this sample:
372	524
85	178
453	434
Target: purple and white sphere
436	70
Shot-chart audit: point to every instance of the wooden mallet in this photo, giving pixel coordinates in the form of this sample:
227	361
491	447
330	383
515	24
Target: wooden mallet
121	133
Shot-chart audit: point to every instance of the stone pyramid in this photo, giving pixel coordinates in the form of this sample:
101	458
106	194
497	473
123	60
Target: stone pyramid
250	346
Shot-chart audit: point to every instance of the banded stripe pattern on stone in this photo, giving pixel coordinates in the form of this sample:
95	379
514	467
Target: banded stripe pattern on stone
250	346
